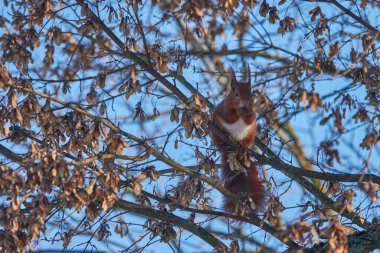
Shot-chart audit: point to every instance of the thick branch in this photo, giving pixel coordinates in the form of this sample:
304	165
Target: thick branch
10	154
111	156
252	219
159	215
361	242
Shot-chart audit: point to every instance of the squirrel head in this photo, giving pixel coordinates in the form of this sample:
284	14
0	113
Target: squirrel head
240	97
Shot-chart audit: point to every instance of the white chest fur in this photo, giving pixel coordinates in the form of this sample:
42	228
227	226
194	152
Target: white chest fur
239	130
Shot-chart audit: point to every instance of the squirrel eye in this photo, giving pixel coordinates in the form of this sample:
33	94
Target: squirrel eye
237	94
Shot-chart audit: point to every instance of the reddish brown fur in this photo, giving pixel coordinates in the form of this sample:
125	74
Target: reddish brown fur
230	111
243	184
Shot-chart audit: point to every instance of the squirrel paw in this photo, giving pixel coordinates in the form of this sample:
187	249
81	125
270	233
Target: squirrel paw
242	156
233	162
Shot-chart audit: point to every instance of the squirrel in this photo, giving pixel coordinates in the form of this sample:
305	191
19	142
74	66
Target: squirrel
236	116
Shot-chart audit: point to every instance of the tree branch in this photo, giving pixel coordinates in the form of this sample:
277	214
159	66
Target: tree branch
159	215
11	155
349	13
288	170
132	56
360	242
251	219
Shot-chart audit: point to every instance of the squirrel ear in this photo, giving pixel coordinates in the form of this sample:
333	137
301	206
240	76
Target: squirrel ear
233	81
248	75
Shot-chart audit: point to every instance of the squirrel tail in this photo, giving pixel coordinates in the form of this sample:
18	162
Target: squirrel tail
244	183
